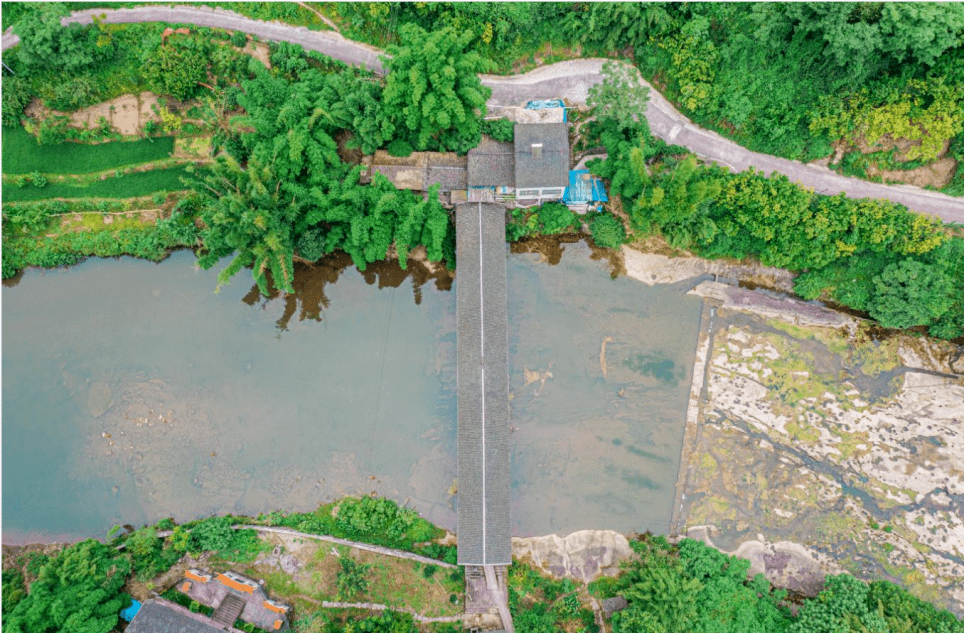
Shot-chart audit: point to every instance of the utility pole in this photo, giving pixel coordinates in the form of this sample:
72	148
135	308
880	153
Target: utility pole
8	68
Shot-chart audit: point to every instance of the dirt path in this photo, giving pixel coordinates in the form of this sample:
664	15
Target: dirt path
569	80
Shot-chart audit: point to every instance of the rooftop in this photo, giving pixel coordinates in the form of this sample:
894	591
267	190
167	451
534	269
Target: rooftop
492	164
541	155
161	616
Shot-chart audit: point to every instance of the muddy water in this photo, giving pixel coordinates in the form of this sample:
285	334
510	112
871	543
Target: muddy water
131	392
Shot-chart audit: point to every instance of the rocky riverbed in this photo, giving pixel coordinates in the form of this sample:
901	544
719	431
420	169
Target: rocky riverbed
847	448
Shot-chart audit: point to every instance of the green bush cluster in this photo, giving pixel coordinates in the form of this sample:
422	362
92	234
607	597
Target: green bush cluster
500	129
153	243
377	521
871	255
693	587
79	589
541	604
607	231
352	578
551	218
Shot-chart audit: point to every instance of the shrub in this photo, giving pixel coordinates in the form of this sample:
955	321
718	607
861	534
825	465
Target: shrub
239	39
400	148
38	180
499	129
555	217
16	95
52	130
607	231
212	534
352	578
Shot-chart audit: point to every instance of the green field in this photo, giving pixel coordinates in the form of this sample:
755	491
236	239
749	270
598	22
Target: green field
127	186
22	154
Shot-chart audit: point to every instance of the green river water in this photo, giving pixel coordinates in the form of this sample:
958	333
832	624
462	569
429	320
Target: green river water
132	392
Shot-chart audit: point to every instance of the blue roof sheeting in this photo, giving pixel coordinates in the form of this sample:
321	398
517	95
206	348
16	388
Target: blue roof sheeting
128	614
542	105
549	103
584	188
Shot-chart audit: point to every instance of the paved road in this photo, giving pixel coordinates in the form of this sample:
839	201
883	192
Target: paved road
570	80
327	42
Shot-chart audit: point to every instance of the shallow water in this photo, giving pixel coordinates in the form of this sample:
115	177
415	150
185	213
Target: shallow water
132	392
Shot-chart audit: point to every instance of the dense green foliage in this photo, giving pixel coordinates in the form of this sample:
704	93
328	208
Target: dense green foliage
848	605
501	31
551	218
13	590
693	587
870	255
499	129
286	12
352	578
77	591
295	194
607	231
24	243
22	154
540	604
377	521
433	96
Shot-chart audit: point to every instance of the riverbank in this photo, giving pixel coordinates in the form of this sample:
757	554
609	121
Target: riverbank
806	430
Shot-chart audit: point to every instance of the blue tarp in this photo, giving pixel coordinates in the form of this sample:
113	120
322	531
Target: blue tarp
545	105
128	614
584	188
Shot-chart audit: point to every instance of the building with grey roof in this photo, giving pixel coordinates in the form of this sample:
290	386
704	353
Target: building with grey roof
162	616
492	164
541	161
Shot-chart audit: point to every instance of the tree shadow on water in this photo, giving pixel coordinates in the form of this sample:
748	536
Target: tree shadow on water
311	278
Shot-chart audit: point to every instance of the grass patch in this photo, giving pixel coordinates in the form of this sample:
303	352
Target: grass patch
393	581
127	186
22	154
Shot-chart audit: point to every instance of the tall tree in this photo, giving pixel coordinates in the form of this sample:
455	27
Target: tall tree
621	96
77	591
433	96
251	214
911	293
46	45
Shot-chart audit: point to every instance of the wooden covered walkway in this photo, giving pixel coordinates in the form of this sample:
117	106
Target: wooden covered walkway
483	386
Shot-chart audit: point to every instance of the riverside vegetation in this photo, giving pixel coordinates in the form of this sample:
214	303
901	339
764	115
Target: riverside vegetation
282	190
683	587
298	197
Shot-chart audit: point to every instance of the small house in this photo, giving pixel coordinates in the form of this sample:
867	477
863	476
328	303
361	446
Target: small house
491	174
234	596
162	616
421	170
541	162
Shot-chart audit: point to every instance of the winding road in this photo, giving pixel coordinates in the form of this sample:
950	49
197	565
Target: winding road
569	80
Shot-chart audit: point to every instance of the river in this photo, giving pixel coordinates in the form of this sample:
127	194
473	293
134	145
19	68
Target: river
133	392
